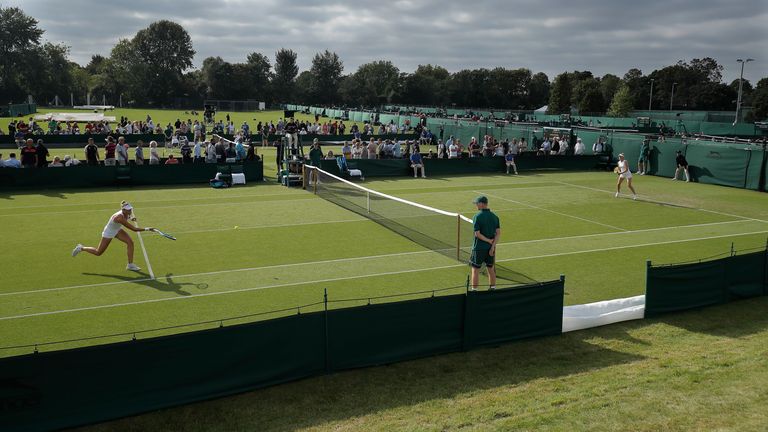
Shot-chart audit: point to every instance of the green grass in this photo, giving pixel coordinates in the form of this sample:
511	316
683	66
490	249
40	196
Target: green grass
291	245
701	370
164	117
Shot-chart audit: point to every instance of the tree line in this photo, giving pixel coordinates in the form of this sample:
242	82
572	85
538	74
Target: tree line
154	68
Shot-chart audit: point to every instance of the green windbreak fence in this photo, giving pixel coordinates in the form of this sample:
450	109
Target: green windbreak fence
61	389
130	175
686	286
718	164
663	157
539	313
16	110
390	332
464	165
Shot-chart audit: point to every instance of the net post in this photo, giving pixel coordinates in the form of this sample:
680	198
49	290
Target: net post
732	253
458	237
368	201
317	178
303	177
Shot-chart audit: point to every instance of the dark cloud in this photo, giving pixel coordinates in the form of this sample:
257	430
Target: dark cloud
598	35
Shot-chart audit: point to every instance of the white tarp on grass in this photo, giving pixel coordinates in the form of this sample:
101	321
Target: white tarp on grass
602	313
76	117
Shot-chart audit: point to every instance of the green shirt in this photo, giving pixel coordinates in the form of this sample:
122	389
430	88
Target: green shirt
316	155
486	222
645	150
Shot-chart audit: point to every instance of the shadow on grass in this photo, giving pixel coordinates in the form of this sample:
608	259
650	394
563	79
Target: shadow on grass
736	319
163	283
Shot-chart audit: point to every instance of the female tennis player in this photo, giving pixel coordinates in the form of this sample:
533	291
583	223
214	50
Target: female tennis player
114	229
624	173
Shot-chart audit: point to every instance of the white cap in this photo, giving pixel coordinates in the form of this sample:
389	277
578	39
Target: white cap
127	206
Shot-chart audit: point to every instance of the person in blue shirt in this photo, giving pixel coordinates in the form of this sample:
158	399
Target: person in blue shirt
12	162
240	151
416	163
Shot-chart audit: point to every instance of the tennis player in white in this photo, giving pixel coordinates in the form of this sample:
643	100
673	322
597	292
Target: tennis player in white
624	173
114	229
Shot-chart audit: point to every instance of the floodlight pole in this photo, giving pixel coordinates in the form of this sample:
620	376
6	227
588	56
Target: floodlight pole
672	97
650	98
741	83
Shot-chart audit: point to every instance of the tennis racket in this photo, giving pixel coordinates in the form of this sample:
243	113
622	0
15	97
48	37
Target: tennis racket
166	235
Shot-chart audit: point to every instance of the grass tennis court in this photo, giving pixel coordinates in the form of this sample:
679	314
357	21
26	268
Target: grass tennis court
289	246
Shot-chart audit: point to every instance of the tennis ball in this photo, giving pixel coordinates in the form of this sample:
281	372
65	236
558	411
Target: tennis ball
236	227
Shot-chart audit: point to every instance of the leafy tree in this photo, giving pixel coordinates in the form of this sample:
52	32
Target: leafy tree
609	83
508	88
302	84
560	95
760	101
259	72
326	75
427	85
621	105
163	52
48	72
285	74
19	35
538	93
375	83
590	97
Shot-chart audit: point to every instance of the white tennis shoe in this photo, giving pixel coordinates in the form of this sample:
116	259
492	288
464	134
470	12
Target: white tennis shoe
132	267
77	249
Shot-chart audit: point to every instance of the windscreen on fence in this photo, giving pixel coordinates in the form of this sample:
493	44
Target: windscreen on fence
686	286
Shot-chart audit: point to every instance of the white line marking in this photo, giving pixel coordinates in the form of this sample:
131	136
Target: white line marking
146	257
226	292
362	276
143	249
634	246
307	263
112	204
309	197
362	219
671	204
555	212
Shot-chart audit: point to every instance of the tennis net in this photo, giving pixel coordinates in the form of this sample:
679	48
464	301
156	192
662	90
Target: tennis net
450	234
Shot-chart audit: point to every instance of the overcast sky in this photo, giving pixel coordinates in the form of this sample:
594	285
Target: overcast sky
603	36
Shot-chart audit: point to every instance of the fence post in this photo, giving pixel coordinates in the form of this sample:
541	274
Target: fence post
465	320
325	314
647	272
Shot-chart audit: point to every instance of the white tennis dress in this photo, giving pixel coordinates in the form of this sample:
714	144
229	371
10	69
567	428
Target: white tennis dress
624	169
112	227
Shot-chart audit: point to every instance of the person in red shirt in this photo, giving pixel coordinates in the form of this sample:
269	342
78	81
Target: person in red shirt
109	152
171	160
29	155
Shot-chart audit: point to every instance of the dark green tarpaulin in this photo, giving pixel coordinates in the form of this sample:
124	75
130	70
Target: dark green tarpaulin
662	158
757	168
385	333
687	286
745	275
66	388
60	389
98	176
464	165
718	164
514	313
